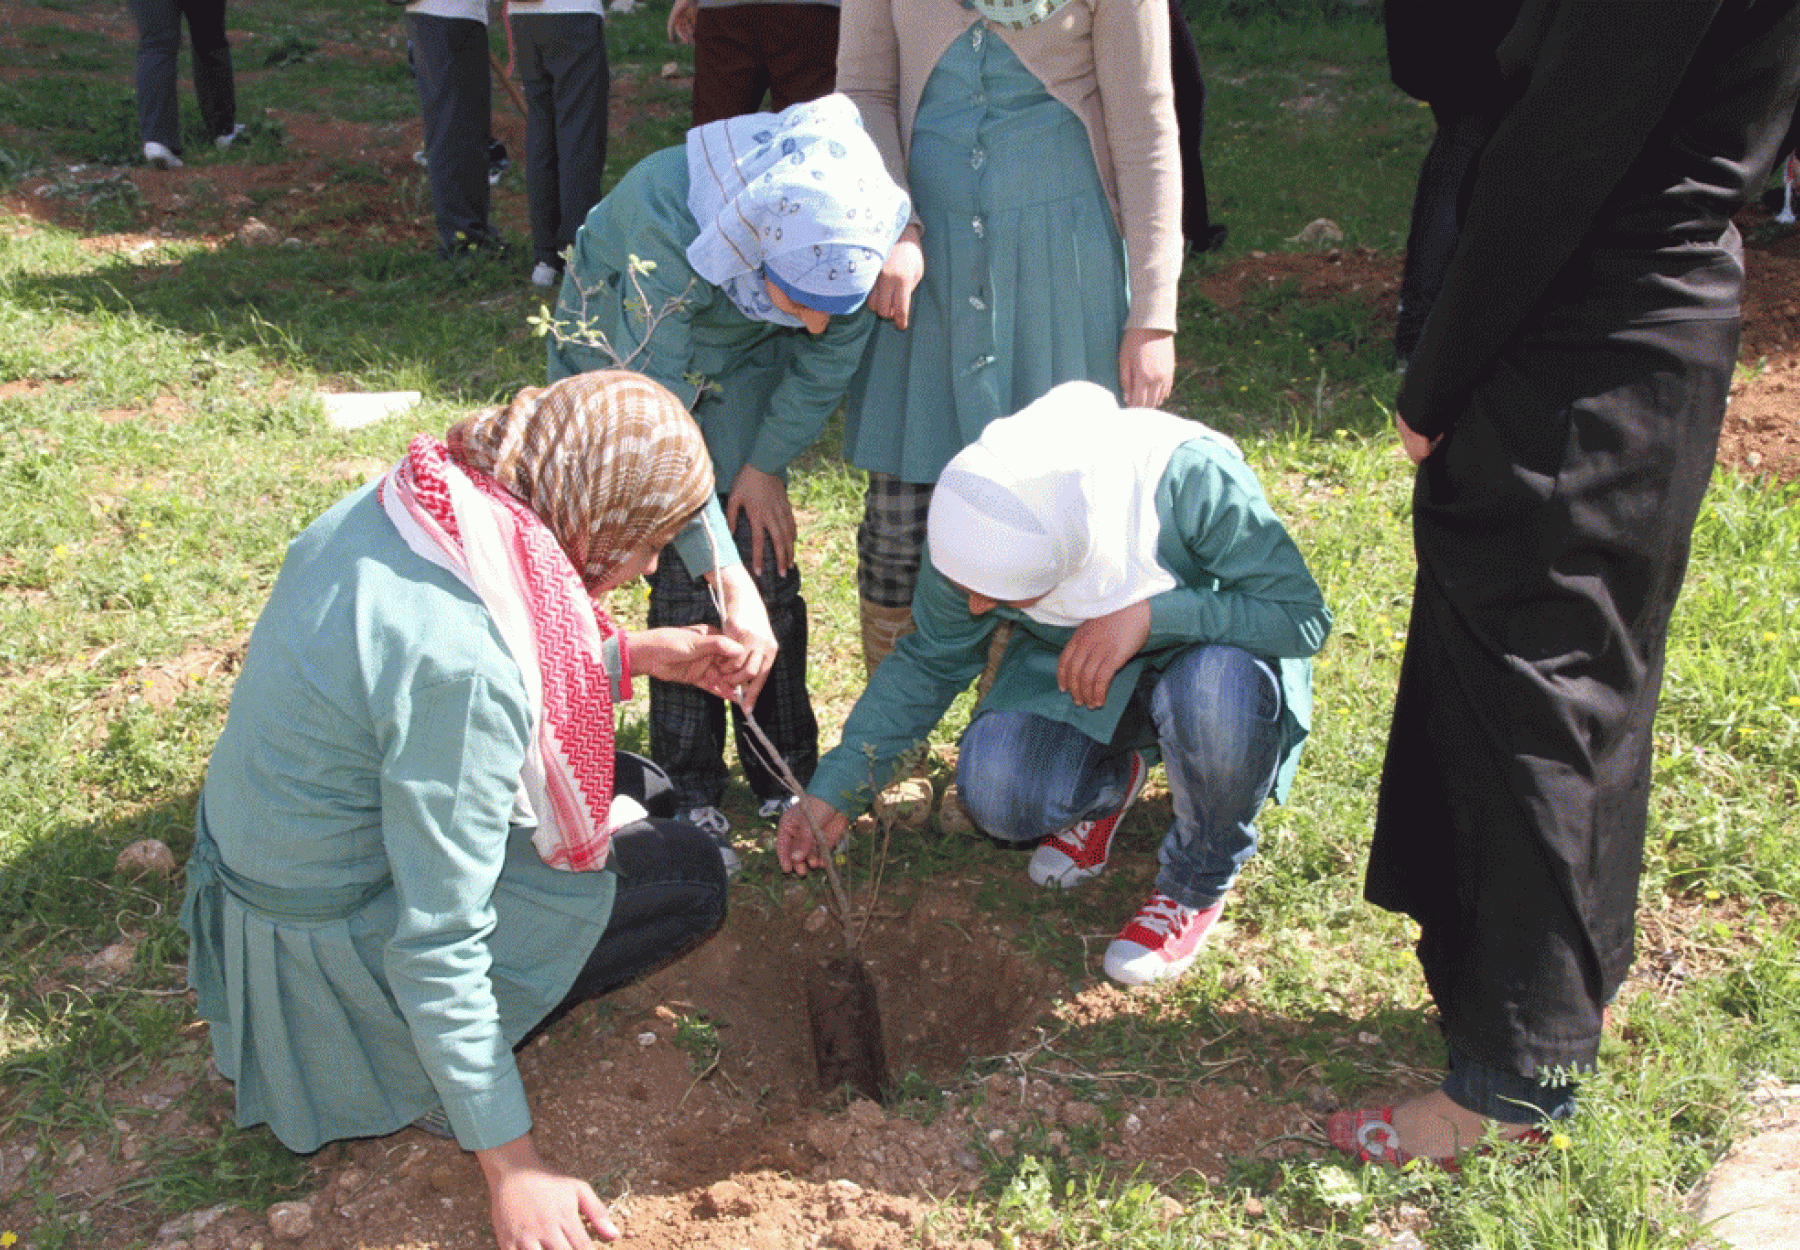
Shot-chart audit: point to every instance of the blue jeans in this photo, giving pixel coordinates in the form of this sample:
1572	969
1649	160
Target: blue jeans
1216	710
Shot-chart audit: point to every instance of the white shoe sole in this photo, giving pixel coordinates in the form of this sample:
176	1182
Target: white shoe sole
1054	870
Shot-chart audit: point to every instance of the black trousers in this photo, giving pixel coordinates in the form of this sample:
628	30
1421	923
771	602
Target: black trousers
562	64
671	893
450	65
159	40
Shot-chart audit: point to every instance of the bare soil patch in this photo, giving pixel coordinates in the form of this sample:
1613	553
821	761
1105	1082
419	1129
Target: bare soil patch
692	1100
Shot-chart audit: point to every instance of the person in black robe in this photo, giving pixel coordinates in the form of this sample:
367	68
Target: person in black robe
1202	233
1564	407
1445	56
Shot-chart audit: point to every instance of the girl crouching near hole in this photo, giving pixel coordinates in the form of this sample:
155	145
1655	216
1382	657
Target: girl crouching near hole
1160	610
417	845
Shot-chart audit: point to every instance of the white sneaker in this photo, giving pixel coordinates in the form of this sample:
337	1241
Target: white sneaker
1160	942
772	809
156	155
545	274
714	823
226	140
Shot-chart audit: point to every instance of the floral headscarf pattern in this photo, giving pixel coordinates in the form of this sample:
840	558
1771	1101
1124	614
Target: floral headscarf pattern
801	195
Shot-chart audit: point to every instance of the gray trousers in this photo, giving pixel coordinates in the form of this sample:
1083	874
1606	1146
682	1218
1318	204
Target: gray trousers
562	61
450	65
159	39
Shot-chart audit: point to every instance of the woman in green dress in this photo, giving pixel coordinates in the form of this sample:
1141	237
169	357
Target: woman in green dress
416	844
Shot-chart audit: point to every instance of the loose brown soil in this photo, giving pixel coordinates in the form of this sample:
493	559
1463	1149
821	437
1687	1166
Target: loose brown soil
732	1143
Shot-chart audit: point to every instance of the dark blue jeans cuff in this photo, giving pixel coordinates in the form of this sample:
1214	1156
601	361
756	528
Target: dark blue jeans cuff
1503	1095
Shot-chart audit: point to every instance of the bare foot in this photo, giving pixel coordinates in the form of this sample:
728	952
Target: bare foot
1434	1126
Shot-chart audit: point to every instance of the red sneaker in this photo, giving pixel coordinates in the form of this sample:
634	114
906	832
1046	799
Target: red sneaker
1160	942
1078	853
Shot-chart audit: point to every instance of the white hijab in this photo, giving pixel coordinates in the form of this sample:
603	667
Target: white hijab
1059	500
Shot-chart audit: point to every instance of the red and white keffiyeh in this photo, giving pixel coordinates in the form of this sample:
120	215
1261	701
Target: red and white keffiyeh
467	523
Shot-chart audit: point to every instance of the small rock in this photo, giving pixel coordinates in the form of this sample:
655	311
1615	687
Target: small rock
1168	1210
149	855
76	1154
646	1038
114	961
1319	230
829	1137
1132	1126
905	805
1253	1208
816	919
726	1198
254	233
193	1222
866	1114
845	1189
670	69
290	1221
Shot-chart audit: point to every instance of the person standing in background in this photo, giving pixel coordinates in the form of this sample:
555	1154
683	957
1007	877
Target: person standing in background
559	47
448	44
159	39
745	49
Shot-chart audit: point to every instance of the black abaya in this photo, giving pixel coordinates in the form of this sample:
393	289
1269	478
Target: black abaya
1576	365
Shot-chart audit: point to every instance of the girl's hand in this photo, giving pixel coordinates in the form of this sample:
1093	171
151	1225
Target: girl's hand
534	1207
697	655
1146	367
1100	647
764	498
747	624
900	275
1415	445
681	22
796	847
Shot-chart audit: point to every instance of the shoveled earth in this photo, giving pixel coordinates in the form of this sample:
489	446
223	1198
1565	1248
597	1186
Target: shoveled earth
691	1099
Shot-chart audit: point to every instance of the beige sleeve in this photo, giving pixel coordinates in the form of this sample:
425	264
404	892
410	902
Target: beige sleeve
1137	96
868	71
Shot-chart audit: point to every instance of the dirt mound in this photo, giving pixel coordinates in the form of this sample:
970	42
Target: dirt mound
692	1101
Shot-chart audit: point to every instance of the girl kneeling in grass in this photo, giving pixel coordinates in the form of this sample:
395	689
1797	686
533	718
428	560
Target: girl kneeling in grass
1160	610
417	845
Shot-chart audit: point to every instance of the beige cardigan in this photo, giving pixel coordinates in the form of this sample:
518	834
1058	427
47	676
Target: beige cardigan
1108	60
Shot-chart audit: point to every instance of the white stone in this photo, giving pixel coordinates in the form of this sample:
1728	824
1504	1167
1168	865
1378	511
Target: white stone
355	409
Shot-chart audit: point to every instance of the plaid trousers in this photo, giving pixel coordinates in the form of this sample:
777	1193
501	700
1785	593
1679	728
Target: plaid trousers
891	539
687	725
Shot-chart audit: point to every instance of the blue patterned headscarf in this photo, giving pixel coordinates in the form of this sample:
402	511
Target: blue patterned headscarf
800	197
